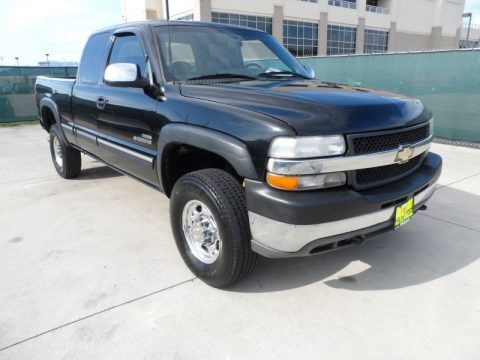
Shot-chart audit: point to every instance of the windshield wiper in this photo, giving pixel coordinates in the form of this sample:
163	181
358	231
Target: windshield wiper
279	73
222	76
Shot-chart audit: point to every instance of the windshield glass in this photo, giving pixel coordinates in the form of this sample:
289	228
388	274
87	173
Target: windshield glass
190	52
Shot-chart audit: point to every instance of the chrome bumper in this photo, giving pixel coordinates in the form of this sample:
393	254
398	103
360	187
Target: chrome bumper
272	238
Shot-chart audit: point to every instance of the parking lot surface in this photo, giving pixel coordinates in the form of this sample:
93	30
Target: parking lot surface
89	269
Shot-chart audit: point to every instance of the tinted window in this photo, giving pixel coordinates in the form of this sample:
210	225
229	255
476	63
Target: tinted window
195	51
127	49
92	57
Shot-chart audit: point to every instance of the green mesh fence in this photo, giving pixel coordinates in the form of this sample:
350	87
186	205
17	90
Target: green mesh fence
17	99
447	82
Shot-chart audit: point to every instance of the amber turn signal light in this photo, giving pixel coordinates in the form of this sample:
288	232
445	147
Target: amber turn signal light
282	182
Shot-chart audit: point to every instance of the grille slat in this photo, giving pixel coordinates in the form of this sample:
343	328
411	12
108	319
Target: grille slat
390	141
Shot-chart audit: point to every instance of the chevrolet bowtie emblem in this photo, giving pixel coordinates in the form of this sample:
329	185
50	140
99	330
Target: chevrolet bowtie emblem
404	154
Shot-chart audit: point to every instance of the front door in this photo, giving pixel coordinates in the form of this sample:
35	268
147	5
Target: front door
126	121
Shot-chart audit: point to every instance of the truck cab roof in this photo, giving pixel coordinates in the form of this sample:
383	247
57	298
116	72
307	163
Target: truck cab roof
154	23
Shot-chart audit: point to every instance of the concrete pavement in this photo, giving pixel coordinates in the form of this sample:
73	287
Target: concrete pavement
89	270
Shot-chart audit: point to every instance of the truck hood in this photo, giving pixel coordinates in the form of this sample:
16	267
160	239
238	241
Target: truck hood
312	107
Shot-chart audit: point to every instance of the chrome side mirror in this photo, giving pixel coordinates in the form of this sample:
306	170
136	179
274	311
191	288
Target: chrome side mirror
124	75
310	71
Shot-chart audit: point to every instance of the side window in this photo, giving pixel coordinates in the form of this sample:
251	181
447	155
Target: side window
92	58
127	49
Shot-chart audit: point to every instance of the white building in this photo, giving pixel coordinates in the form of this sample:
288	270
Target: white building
328	27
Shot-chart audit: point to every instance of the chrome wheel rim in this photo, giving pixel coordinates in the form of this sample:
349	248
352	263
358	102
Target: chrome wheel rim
57	149
201	231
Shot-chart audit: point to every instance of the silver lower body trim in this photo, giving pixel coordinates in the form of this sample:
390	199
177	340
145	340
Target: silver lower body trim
289	238
145	158
67	127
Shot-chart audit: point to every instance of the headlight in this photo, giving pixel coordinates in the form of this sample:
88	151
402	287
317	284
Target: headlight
307	146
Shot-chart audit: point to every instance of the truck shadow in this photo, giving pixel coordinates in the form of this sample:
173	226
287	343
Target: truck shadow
424	250
98	172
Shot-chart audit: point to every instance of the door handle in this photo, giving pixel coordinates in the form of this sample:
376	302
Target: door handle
101	102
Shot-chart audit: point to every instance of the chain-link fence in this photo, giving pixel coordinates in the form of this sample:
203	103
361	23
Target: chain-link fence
17	85
447	82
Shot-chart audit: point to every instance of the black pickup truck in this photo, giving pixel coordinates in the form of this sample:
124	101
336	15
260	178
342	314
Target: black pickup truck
256	156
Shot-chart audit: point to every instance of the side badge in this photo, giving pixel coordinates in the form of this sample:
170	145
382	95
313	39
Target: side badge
144	138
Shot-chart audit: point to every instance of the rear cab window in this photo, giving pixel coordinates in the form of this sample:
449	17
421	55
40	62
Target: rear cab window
92	58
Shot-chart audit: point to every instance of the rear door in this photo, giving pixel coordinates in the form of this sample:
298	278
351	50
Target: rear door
126	122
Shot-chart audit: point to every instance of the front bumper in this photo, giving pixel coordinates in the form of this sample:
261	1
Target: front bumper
286	224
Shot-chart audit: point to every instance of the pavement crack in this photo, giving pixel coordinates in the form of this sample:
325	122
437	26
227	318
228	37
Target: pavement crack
457	181
98	313
451	222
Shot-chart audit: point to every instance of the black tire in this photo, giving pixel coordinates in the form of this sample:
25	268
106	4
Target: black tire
71	160
225	199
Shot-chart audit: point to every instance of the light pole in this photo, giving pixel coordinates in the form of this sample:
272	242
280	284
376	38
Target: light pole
1	58
168	9
48	62
469	15
17	58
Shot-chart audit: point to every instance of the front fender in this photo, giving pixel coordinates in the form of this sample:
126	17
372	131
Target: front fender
231	149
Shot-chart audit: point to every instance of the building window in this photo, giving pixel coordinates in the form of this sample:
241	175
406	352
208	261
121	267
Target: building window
464	44
376	41
256	22
311	1
188	17
349	4
300	38
341	40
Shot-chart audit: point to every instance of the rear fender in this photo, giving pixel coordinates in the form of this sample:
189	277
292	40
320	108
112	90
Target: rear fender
50	104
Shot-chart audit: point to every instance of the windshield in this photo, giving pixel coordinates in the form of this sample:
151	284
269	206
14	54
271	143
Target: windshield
190	52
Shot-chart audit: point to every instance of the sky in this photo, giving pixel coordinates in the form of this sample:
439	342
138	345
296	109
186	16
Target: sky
30	29
473	6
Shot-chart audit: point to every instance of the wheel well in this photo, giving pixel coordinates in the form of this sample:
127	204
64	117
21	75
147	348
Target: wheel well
48	119
180	159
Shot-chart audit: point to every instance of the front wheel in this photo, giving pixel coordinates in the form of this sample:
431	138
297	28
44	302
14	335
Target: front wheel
67	160
210	224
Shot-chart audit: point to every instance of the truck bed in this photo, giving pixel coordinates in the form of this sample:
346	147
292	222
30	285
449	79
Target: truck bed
59	90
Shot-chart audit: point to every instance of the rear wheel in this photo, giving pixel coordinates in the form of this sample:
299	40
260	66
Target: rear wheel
66	159
210	225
